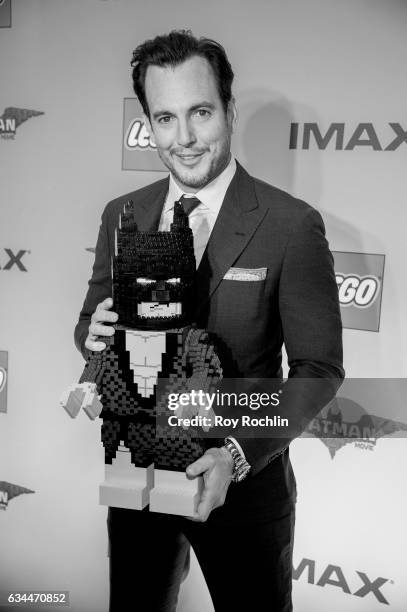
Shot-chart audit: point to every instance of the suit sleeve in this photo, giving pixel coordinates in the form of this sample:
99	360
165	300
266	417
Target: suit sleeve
312	330
100	285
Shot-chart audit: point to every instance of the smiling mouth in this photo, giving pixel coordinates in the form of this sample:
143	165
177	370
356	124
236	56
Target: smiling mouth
189	157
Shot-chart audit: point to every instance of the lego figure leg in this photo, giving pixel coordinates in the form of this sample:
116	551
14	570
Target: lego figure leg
126	486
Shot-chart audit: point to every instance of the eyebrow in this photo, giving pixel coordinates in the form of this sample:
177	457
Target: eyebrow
191	109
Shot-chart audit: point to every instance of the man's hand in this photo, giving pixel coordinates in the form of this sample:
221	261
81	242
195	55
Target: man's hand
101	315
216	466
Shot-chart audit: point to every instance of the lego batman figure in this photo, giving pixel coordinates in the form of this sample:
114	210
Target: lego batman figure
155	353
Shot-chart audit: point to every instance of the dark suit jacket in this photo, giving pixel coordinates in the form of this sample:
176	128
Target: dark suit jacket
259	226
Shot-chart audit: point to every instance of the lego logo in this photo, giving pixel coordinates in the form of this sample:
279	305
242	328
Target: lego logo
3	378
356	290
138	136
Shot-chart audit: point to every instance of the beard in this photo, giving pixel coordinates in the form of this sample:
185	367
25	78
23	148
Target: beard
194	178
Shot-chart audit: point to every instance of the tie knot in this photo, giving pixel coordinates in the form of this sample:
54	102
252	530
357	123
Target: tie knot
188	204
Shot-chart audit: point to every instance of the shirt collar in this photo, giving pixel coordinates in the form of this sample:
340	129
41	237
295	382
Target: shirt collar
211	195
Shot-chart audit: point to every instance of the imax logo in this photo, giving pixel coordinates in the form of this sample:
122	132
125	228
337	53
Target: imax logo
15	260
364	135
334	576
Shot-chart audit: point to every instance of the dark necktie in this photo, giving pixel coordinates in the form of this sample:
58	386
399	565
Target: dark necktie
189	204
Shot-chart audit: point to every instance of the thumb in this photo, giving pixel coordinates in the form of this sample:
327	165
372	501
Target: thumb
199	467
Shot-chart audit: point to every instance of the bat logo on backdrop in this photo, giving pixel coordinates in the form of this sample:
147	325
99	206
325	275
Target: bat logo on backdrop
8	491
334	575
359	277
12	118
344	421
138	150
14	260
364	135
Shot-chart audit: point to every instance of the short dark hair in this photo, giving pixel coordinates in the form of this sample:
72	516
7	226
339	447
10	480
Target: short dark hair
173	49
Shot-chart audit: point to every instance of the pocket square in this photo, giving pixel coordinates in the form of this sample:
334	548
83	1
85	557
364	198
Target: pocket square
246	274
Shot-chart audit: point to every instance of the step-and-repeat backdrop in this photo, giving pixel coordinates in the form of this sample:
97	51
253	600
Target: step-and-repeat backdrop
321	94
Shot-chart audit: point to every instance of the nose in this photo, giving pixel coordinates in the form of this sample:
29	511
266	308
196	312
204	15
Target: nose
185	133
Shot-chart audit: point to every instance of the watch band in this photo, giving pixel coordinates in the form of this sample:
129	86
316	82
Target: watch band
241	466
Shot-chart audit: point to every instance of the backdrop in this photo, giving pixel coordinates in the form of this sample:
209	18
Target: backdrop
321	94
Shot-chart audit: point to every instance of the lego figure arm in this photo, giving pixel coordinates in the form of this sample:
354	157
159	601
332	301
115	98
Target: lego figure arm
85	393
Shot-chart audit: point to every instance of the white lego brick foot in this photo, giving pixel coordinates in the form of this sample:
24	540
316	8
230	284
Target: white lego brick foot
126	486
174	493
121	497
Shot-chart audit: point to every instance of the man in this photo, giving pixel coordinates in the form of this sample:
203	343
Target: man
264	277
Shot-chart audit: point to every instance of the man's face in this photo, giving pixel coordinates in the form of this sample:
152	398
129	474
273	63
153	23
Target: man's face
188	123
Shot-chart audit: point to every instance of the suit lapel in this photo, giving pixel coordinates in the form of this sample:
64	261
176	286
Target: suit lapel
237	221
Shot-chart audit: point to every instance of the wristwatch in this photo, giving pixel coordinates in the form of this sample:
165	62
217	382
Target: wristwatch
241	467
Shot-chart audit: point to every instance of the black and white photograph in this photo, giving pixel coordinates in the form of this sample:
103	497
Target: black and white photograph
203	340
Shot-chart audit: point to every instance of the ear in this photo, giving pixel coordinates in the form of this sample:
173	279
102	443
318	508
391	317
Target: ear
147	123
232	113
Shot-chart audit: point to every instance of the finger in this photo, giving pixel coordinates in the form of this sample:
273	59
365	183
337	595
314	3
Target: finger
104	316
199	466
205	506
96	329
94	345
106	304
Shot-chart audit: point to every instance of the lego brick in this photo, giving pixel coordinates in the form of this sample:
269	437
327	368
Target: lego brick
126	486
174	493
92	405
71	400
123	497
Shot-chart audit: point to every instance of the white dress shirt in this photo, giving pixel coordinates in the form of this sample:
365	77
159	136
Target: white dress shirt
202	219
